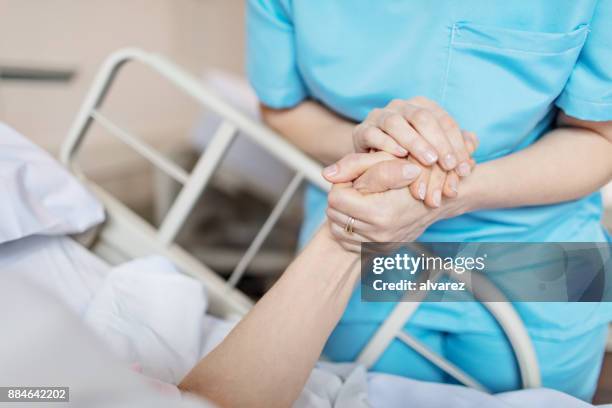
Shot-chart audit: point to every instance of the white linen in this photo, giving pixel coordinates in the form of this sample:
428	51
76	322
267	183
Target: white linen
341	385
145	310
37	195
44	344
348	386
151	314
391	391
58	264
542	397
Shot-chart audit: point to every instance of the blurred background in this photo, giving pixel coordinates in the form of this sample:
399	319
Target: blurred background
74	37
49	55
48	61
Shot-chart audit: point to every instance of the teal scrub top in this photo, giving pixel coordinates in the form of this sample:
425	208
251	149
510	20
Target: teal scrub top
501	68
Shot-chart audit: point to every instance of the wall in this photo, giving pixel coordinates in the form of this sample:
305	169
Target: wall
79	34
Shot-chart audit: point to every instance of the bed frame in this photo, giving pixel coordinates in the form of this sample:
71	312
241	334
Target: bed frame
125	235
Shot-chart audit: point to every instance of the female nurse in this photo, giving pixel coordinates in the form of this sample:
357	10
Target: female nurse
532	79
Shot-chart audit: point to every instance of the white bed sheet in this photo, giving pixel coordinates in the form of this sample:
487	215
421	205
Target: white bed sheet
151	315
38	196
125	305
146	311
58	264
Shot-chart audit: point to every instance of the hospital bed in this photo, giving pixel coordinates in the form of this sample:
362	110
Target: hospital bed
125	235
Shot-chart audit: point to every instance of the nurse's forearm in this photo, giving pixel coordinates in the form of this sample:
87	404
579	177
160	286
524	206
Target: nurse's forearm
568	163
266	360
314	129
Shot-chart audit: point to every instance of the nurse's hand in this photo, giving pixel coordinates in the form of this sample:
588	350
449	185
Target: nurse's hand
433	182
418	127
379	171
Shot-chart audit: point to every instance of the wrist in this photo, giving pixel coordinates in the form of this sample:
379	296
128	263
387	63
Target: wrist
324	245
324	267
473	193
471	196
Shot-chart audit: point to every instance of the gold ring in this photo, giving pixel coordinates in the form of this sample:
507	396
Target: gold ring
349	225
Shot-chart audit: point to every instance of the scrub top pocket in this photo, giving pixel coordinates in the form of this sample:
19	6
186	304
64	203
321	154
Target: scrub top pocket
501	83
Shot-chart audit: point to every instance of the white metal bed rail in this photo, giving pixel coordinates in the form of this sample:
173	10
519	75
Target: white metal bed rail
194	183
126	232
509	321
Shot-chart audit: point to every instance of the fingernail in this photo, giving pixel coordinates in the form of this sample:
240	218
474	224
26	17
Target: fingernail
410	171
400	151
464	169
453	185
422	190
474	138
437	198
430	157
330	171
450	161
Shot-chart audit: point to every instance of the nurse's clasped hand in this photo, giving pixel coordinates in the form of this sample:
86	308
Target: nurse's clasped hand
419	127
428	136
428	183
370	185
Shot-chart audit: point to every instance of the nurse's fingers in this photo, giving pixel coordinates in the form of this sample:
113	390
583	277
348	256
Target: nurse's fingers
471	141
451	185
425	122
349	201
418	188
394	124
387	175
353	165
437	178
457	141
368	136
453	135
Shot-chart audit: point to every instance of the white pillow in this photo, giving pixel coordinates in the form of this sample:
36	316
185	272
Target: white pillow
37	195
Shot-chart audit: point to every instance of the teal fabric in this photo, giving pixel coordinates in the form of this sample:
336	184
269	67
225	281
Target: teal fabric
500	68
570	366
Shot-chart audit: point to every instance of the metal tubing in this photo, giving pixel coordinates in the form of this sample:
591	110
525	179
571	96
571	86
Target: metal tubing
155	157
263	233
440	362
191	192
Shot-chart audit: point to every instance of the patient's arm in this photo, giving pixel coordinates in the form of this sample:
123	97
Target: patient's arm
266	360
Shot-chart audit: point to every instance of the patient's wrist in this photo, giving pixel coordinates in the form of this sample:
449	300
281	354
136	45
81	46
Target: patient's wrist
329	243
324	266
328	249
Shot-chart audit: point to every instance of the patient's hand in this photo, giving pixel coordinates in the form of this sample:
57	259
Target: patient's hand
397	173
389	216
382	209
